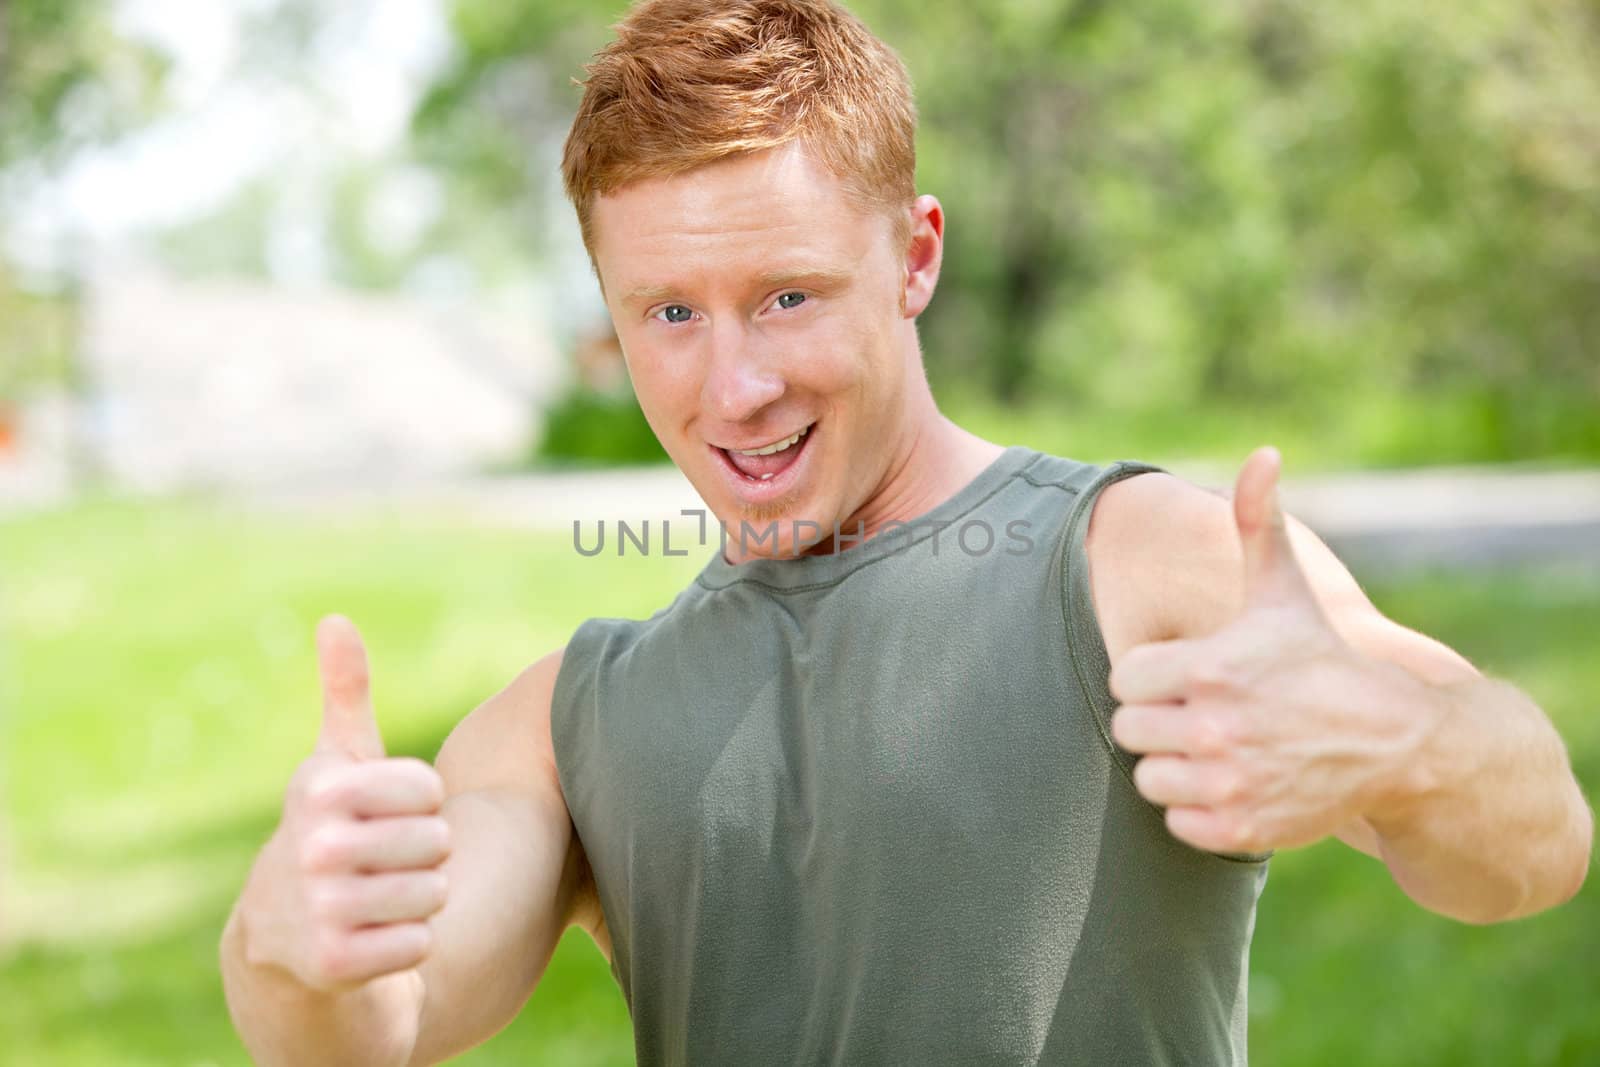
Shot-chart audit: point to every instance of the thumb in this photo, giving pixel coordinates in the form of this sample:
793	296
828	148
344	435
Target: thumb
348	724
1271	574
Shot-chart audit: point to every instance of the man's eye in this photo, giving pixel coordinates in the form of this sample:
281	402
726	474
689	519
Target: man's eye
791	300
675	313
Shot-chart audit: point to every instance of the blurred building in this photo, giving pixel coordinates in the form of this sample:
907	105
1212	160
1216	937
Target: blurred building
240	384
598	362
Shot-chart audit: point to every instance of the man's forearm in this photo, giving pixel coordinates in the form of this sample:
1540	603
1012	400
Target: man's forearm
283	1022
1489	823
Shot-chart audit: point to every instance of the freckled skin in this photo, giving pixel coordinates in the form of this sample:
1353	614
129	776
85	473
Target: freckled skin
719	354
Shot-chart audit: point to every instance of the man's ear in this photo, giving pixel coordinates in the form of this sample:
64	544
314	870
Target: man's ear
924	253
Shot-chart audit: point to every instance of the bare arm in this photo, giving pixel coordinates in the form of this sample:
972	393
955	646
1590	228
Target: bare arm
1489	823
1268	734
518	874
337	951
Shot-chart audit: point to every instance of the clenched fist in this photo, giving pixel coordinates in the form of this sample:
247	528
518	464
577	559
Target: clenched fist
355	869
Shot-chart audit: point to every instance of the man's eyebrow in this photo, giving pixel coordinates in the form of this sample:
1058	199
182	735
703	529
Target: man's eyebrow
647	292
822	276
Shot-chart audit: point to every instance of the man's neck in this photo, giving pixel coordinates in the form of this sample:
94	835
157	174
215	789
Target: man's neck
937	460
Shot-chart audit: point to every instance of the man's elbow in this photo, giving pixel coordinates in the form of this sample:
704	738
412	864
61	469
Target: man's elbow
1579	855
1567	872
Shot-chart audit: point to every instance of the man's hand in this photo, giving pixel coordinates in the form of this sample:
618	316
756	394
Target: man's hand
354	870
1273	731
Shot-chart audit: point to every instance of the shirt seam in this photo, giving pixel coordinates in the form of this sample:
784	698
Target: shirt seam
1109	476
1020	472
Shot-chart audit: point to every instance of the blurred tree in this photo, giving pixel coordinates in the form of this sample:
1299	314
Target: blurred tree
495	119
449	209
1180	200
68	80
1275	205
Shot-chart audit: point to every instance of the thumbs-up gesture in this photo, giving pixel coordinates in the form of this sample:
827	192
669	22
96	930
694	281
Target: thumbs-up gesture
354	871
1273	731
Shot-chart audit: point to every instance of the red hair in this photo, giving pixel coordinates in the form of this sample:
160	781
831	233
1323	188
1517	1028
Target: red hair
688	82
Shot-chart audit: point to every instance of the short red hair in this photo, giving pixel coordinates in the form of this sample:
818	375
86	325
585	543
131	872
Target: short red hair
689	82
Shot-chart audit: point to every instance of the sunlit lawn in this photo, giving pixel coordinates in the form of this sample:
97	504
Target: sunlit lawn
1370	428
159	687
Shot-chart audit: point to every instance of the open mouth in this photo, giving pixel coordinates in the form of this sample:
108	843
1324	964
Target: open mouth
762	467
767	462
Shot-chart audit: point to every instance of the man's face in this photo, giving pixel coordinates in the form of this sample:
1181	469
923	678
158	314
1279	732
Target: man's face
755	301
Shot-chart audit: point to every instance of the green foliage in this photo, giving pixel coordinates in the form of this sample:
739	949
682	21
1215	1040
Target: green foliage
1377	430
495	117
68	79
159	694
230	241
588	427
1158	208
33	343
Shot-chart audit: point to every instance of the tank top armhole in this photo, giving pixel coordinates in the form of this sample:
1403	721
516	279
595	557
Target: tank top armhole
573	727
573	678
1086	645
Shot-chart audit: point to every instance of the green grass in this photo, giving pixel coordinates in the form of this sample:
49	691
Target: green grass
161	688
159	684
1361	430
1345	969
1347	431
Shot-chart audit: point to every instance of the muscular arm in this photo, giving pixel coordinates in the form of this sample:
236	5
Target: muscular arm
1492	824
306	986
517	872
1485	820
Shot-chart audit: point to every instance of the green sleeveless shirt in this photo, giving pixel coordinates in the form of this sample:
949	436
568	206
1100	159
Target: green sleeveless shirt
865	808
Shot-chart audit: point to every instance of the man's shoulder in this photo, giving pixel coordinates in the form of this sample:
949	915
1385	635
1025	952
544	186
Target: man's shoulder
610	635
1148	490
506	739
1164	551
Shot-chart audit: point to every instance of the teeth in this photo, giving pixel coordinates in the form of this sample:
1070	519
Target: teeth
770	449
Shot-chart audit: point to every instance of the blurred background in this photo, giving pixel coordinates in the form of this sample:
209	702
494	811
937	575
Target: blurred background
294	319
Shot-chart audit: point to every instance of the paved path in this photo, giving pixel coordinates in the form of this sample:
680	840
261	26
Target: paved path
1375	520
1454	517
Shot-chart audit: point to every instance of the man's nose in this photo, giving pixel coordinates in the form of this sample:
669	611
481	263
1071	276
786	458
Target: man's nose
742	376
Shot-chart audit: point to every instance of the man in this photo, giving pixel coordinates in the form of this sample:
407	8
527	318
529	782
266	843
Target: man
863	793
